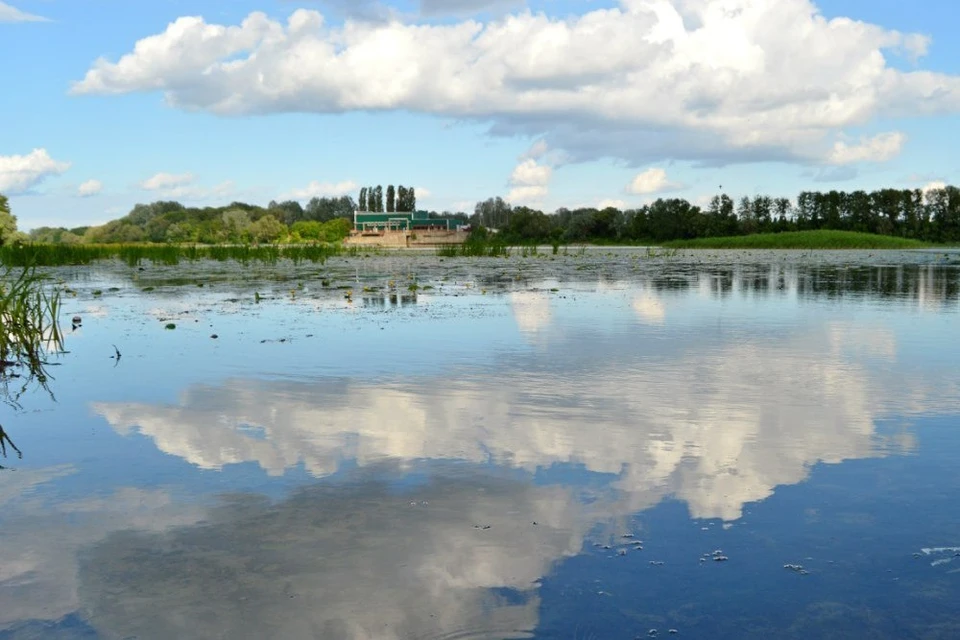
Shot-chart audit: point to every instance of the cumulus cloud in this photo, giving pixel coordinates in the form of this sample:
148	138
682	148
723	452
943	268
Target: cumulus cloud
19	174
10	13
529	182
651	181
712	81
879	148
322	189
422	193
90	188
183	186
615	203
933	186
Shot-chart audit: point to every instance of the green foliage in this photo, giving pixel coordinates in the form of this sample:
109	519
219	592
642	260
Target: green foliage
8	221
266	229
391	199
29	316
820	239
362	205
43	255
331	231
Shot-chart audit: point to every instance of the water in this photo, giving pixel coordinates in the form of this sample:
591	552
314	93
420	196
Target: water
548	447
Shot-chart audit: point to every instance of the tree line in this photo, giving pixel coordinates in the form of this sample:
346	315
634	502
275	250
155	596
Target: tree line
321	220
931	216
402	199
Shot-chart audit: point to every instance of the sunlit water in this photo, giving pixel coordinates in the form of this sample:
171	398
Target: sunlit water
725	445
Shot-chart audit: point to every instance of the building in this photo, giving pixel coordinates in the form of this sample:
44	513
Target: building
375	222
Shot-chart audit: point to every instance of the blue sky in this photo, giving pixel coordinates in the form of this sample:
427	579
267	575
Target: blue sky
550	103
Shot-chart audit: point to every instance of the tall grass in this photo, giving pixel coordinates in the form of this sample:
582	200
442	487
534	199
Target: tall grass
51	255
29	332
480	243
820	239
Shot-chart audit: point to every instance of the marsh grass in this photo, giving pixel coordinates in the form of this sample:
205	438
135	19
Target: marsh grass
52	255
820	239
478	245
29	333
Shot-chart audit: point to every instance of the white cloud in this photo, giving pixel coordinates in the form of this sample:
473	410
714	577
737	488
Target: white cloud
163	181
879	148
21	173
422	193
715	81
933	186
322	190
183	186
530	178
616	204
12	14
652	180
90	188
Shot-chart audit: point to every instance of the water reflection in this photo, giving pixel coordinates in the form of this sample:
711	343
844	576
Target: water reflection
716	428
458	555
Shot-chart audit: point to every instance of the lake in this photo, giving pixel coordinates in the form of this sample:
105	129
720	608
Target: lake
595	444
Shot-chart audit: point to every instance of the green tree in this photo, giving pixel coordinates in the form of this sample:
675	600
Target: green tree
411	199
378	198
391	199
235	223
402	198
266	229
8	221
363	199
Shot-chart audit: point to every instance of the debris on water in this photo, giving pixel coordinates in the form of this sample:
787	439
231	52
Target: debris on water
481	527
656	563
214	336
672	632
534	523
720	558
627	535
77	320
621	552
797	568
652	633
117	353
170	326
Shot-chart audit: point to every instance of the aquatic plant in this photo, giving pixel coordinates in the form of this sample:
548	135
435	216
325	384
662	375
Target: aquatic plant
48	255
29	333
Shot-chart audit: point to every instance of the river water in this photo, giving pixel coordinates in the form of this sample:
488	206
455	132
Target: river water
603	444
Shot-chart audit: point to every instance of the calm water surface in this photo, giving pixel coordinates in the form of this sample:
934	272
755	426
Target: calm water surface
709	445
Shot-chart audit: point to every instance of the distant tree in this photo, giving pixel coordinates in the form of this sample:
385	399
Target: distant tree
391	199
411	199
288	211
378	198
327	208
492	213
402	198
235	223
363	199
266	229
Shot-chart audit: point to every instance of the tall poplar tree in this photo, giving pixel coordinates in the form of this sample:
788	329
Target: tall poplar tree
363	199
391	199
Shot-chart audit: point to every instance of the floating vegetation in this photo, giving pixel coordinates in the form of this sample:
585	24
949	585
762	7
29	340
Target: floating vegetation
50	255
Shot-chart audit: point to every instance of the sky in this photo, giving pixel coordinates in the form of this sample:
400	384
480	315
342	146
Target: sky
547	103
